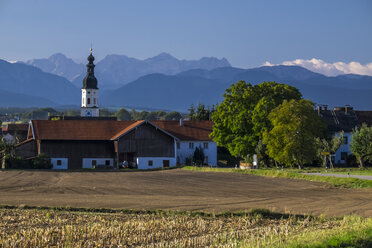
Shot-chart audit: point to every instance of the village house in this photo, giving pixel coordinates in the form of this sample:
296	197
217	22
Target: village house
343	119
90	141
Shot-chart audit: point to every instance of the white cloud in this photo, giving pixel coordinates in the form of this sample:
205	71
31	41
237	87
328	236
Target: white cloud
12	61
329	69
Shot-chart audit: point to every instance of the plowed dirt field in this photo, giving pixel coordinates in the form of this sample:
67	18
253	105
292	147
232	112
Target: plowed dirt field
179	189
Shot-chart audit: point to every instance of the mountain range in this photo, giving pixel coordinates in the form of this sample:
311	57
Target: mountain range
167	83
208	86
116	70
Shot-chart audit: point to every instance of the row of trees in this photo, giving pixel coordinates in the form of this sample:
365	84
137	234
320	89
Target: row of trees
198	112
272	120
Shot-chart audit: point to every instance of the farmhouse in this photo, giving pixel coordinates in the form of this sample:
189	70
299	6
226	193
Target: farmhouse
344	119
77	144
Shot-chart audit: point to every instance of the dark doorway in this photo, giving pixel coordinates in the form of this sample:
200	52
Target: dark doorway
165	163
126	156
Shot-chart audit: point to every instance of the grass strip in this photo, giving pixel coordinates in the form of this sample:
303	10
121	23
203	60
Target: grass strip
333	181
254	212
354	231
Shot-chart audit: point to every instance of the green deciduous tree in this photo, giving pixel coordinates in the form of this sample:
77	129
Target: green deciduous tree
201	112
328	147
172	116
123	115
361	144
295	125
240	120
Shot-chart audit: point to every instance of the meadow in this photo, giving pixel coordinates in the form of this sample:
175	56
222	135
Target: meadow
41	227
301	174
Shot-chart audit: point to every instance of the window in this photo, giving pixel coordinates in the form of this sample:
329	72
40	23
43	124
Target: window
149	163
88	101
343	155
94	162
178	145
59	162
205	145
191	145
88	92
345	140
107	162
165	163
206	159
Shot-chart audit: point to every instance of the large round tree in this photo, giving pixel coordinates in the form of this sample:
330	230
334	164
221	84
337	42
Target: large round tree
292	139
241	119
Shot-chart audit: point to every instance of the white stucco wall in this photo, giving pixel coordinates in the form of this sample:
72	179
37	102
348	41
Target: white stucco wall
63	166
185	151
92	94
87	162
157	162
343	148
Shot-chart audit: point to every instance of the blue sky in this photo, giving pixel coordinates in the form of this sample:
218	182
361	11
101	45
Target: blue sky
247	33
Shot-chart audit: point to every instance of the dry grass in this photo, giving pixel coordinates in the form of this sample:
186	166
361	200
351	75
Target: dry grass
53	228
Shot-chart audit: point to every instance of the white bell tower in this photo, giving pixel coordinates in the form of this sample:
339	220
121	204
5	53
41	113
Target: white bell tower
89	91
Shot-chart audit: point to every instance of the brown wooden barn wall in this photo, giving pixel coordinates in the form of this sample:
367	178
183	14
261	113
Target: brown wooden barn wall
146	141
76	150
26	150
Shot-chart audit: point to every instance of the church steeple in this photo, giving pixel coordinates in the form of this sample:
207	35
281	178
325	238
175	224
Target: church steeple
89	91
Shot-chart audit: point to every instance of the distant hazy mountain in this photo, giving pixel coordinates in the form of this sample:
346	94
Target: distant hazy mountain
28	80
115	71
208	86
60	65
9	99
166	92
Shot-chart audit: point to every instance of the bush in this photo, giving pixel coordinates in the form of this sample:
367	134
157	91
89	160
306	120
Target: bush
199	156
224	154
16	163
188	161
41	162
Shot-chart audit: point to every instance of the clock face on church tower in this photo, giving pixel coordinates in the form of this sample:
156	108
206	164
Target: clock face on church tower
88	113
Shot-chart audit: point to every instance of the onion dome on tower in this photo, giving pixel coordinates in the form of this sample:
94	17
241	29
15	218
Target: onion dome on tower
90	81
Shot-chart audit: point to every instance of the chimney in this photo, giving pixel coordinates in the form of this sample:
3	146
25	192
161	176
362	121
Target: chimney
319	109
348	108
181	122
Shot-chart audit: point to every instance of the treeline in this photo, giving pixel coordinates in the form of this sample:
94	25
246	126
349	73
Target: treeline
198	112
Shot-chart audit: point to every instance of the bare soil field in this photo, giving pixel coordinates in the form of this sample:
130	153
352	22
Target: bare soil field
180	190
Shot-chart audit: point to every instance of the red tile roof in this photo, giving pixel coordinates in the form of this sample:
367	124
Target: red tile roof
191	130
111	129
78	129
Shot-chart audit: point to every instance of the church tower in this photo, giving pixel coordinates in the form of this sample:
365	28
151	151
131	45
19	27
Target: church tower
89	92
